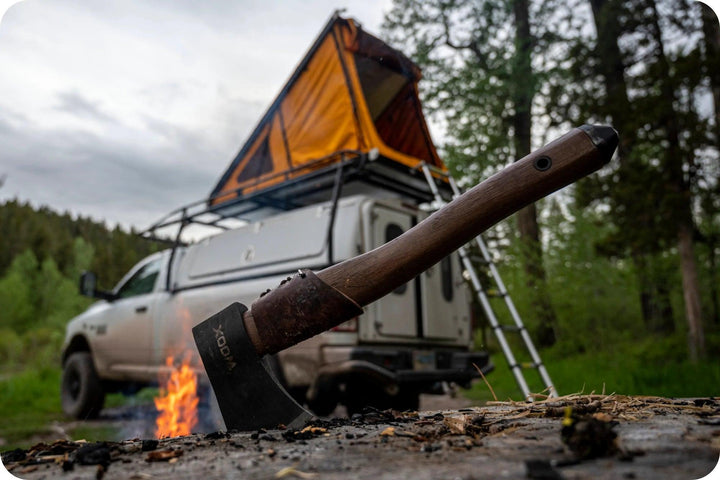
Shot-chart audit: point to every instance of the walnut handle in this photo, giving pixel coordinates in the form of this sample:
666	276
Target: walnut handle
309	304
370	276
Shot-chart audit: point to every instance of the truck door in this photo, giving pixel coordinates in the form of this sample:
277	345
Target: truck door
396	313
123	336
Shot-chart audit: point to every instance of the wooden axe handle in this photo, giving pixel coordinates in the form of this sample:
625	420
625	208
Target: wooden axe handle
370	276
311	303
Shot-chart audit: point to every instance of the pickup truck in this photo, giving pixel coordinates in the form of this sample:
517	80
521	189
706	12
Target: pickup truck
415	340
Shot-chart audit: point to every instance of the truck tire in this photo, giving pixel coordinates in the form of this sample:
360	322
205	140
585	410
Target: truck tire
406	400
325	401
209	415
81	394
360	394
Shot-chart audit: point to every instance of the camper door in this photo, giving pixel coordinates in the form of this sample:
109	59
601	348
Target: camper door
395	316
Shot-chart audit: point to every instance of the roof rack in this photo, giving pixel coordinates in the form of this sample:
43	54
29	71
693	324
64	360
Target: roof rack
347	173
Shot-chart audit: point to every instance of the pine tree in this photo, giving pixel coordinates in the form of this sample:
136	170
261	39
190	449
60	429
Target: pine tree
662	155
477	58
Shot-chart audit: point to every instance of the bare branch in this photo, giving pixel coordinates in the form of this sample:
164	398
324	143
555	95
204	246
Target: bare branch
472	46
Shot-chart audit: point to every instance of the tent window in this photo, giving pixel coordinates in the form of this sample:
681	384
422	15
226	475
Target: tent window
394	108
259	164
380	85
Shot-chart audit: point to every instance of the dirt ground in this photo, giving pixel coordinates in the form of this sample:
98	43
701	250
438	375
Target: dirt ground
574	437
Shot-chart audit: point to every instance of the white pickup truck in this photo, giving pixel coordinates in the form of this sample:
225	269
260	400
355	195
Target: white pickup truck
414	340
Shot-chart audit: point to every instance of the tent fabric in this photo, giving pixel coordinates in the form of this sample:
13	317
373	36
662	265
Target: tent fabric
351	93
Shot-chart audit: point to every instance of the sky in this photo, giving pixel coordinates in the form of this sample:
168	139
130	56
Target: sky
123	110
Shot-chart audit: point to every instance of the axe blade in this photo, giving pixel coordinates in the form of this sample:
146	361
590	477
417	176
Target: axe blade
248	393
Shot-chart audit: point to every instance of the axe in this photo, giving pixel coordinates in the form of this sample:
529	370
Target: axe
232	343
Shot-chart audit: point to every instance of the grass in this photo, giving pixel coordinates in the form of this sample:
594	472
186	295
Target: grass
93	433
30	399
30	408
144	396
631	369
29	403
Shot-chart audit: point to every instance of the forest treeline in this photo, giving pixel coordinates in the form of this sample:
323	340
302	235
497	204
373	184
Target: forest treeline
58	236
633	249
42	254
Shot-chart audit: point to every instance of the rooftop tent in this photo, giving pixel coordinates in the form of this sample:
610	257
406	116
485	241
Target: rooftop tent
352	93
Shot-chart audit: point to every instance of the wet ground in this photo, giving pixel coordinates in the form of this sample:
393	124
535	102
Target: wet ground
138	421
572	437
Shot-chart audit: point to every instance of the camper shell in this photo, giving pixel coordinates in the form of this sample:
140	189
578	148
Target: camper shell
332	170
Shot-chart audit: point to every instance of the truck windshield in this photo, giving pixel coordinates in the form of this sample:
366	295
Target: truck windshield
142	282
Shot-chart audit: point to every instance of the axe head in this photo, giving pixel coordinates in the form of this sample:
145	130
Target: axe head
248	393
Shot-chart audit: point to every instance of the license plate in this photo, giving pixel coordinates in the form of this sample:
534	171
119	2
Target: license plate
423	360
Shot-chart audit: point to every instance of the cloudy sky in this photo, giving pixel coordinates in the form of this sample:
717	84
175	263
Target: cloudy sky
126	109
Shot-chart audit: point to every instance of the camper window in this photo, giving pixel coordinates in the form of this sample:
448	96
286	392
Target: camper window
392	231
446	278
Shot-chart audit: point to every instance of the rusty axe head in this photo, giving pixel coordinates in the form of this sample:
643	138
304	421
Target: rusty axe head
248	393
232	342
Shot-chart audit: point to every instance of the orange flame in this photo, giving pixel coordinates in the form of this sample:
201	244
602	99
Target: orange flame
177	402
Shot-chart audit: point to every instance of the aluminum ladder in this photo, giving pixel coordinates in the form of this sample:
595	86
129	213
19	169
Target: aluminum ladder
471	274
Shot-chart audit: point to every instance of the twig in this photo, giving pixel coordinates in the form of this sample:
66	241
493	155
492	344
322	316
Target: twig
486	382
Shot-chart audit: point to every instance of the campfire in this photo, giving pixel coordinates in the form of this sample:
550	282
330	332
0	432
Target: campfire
177	401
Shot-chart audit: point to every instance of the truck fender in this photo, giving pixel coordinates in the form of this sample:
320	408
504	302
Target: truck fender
78	344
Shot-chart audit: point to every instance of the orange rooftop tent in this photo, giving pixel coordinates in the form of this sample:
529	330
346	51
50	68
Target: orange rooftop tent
348	121
351	97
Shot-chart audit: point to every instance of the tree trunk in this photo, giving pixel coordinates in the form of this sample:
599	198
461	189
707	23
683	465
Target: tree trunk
679	196
691	294
712	260
711	40
527	217
654	298
617	105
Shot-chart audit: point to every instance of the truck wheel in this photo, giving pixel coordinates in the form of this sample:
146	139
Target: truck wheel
324	397
210	416
324	404
81	393
361	394
405	400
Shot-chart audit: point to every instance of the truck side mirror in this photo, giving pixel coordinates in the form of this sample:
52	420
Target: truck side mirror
88	287
88	284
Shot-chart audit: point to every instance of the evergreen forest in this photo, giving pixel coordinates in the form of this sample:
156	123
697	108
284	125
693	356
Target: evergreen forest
42	254
621	268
